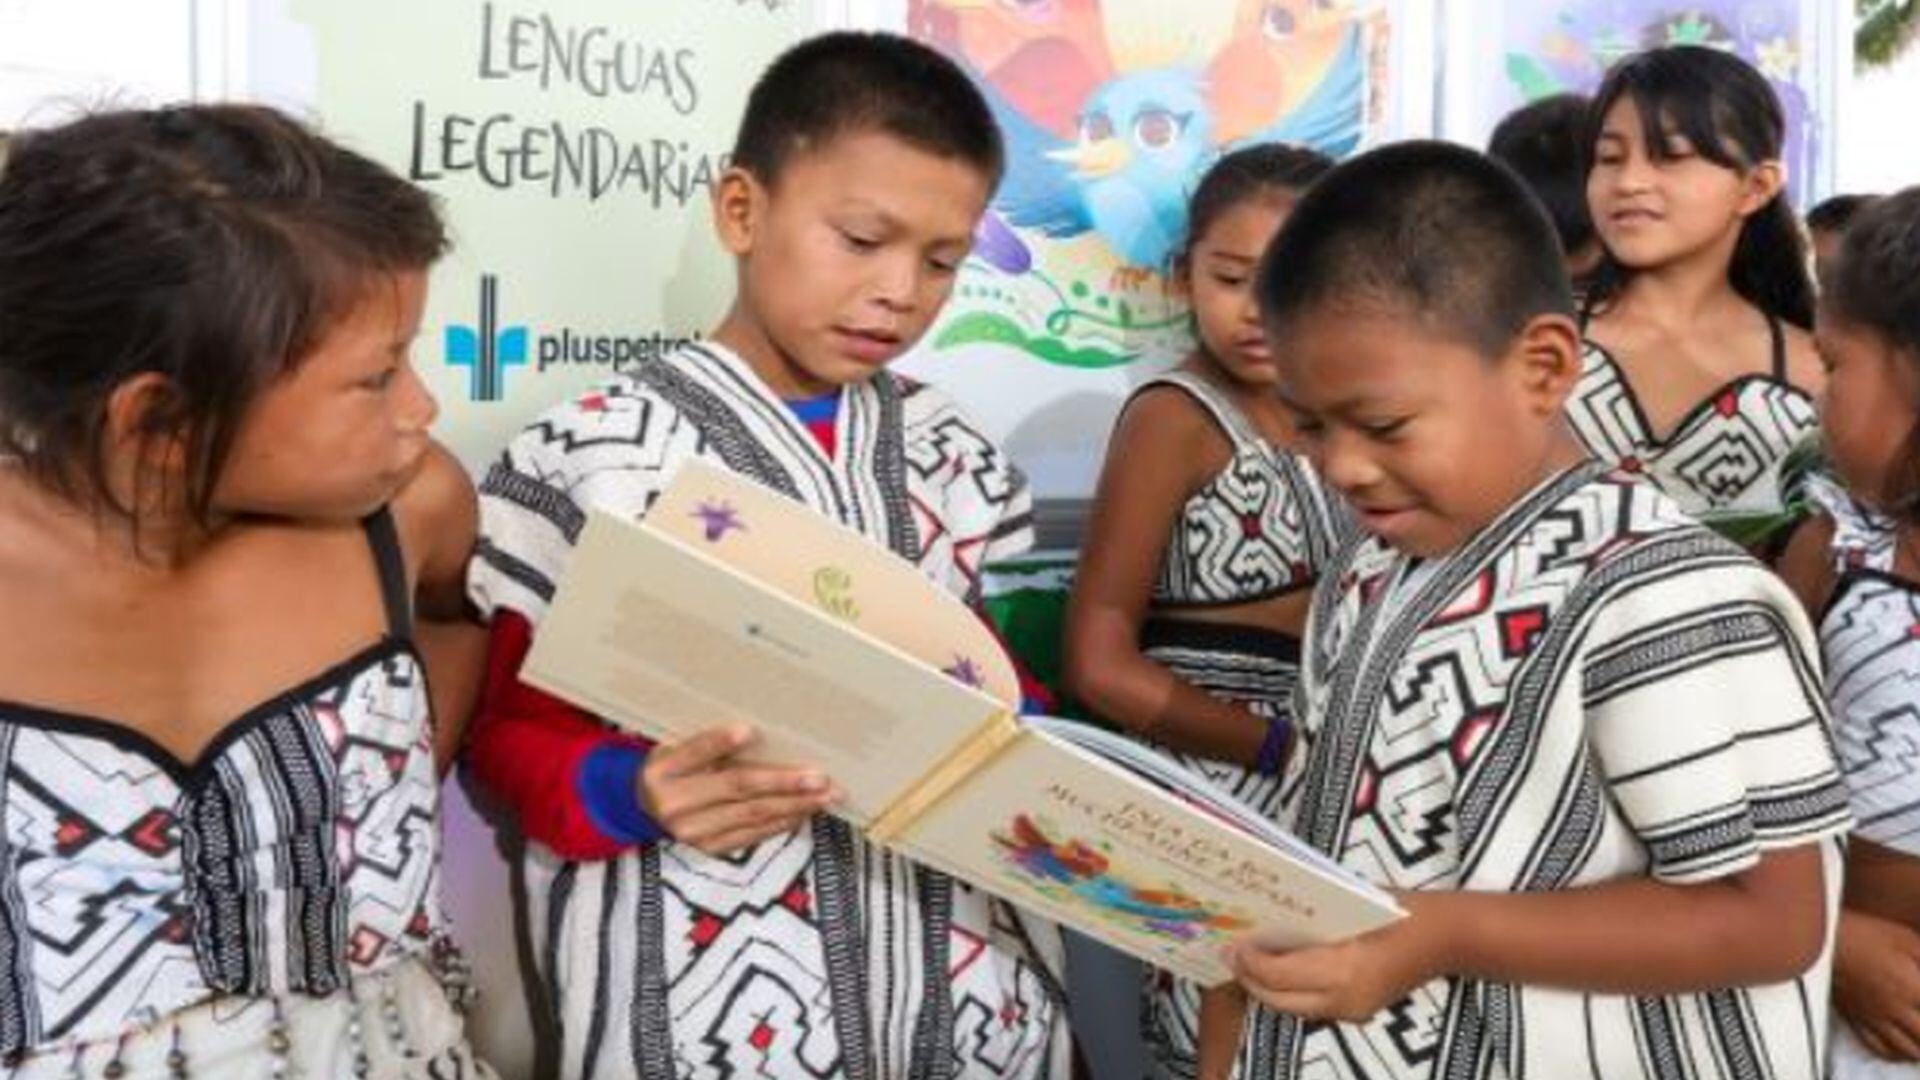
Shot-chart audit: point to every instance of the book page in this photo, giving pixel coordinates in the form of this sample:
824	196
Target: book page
656	636
817	561
1052	827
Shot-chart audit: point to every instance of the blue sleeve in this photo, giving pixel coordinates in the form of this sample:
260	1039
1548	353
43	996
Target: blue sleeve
608	785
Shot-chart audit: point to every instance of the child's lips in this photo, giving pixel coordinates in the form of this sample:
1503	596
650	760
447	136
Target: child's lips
869	346
1377	518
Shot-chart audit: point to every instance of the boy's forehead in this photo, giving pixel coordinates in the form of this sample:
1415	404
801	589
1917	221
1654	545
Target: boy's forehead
878	173
859	149
1336	358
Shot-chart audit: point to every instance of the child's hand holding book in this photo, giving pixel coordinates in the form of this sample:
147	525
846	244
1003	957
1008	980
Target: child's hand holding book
701	793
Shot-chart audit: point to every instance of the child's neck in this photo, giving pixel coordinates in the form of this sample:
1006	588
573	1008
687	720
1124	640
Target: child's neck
1683	295
743	336
1257	403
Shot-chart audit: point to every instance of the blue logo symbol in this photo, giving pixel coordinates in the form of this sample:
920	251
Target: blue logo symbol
488	351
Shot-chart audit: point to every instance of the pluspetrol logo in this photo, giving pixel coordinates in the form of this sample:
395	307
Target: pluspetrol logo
487	350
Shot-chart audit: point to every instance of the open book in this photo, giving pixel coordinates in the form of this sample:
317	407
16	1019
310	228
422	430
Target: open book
730	602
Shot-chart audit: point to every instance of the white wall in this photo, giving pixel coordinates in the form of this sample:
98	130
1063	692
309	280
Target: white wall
1878	147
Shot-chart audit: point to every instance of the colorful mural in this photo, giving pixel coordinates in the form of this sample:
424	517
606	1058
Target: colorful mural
1551	48
1111	113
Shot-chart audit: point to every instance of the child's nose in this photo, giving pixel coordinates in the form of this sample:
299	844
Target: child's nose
897	283
421	407
1348	468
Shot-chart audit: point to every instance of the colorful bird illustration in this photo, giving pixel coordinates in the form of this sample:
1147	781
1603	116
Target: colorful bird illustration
1291	72
1046	56
1111	140
1142	142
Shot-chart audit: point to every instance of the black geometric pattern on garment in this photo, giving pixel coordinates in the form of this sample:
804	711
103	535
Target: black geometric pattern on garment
837	884
652	1020
515	569
933	1047
503	481
1356	688
1659	1045
1488	789
720	428
890	468
307	790
19	1022
1258	528
1660	650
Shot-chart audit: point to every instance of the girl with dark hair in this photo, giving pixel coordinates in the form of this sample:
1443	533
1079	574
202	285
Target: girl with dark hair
220	517
1858	570
1699	369
1205	537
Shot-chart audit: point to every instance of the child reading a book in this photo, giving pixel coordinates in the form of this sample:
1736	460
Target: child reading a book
696	917
1858	567
1699	371
1582	735
1205	536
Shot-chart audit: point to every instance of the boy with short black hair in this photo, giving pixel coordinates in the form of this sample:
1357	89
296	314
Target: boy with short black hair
1581	735
1540	141
698	917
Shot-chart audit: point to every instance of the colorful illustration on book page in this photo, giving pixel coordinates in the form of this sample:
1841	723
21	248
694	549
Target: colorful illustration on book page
1071	870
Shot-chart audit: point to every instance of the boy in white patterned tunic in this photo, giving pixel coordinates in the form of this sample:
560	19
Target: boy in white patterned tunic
697	918
1579	733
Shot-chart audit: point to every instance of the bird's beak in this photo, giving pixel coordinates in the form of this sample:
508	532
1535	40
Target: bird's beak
1093	160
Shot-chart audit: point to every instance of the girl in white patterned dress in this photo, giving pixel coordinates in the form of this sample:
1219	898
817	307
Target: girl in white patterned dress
220	514
1859	570
1698	370
1205	540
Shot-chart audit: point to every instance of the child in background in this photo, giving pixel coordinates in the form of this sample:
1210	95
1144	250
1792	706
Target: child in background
1827	226
1581	735
230	555
1541	142
1699	371
1184	627
1858	568
697	917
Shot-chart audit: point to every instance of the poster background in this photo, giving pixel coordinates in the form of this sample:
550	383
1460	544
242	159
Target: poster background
1505	54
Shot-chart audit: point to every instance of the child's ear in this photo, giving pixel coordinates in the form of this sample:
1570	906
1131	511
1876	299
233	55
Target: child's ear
739	202
1764	181
140	426
1547	359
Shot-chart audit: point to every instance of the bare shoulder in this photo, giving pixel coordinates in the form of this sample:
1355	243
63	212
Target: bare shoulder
437	512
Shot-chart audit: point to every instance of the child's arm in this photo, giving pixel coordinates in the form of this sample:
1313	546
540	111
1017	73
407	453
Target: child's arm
1636	936
1158	454
1805	564
437	518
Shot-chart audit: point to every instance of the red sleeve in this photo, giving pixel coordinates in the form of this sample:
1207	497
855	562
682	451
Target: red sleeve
526	748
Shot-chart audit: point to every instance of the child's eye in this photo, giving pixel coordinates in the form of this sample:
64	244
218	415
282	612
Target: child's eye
1231	281
1384	429
858	242
943	266
379	381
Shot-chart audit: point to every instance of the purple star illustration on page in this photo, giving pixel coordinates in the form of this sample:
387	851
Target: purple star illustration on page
719	519
966	671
